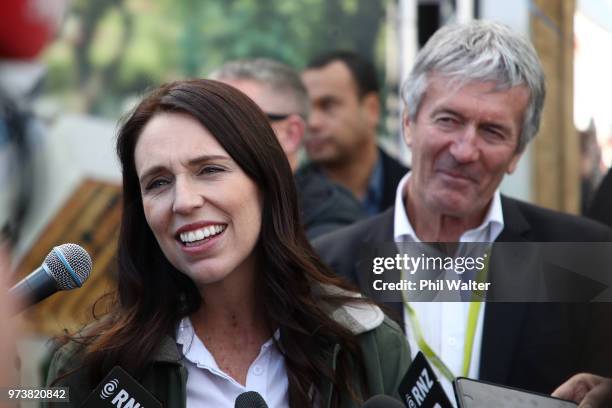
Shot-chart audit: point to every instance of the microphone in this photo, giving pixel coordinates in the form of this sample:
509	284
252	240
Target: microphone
66	267
250	399
420	387
382	401
119	389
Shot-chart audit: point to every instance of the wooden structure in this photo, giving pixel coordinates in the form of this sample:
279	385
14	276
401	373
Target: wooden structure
91	218
556	174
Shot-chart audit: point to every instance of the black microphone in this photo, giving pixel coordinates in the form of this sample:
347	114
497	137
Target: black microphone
250	399
66	267
382	401
119	389
420	387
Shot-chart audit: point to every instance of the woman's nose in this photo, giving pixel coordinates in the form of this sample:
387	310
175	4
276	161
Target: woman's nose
186	197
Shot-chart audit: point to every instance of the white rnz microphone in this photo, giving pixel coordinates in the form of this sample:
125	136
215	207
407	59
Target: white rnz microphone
66	267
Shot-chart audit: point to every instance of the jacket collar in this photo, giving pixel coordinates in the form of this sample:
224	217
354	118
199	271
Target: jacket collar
516	227
358	317
502	321
380	231
167	352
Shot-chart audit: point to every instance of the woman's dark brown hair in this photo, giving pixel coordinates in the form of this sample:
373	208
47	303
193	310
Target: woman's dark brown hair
153	296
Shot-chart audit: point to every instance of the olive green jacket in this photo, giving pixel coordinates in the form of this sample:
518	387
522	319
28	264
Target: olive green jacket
384	346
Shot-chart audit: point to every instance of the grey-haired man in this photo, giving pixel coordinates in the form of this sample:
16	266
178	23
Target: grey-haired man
473	101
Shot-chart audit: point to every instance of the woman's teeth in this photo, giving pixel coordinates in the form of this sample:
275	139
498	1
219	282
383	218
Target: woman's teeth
201	233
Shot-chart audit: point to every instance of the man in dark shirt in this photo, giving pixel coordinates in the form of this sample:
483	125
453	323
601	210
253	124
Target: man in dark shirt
342	140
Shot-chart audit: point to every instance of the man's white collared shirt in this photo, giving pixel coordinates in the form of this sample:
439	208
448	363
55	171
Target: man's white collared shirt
444	323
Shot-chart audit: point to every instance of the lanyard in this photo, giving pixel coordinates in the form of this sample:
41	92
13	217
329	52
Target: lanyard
470	333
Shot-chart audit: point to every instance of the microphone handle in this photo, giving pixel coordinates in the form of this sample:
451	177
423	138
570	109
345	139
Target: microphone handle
35	287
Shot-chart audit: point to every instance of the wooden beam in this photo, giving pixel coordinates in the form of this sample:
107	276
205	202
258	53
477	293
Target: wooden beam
556	173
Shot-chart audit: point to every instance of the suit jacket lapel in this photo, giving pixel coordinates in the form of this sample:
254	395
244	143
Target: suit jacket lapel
392	174
381	234
502	321
516	227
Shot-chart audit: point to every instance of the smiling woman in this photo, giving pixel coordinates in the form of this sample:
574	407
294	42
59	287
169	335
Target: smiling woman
219	290
204	211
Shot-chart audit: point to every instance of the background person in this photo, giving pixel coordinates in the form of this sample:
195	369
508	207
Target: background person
219	291
342	139
278	90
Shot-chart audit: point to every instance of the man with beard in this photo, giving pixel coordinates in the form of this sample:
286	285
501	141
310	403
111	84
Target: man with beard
342	139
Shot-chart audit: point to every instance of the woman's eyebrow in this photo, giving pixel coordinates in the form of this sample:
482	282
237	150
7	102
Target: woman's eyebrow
191	162
206	157
149	172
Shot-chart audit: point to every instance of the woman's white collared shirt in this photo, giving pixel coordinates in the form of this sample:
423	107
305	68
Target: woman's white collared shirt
209	386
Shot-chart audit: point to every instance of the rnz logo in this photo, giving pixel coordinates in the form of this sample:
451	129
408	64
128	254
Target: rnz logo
109	388
122	399
420	390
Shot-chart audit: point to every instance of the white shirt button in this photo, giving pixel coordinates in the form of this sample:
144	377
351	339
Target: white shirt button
257	370
452	341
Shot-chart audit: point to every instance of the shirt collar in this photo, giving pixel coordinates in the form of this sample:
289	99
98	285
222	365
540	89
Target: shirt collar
194	350
192	347
487	231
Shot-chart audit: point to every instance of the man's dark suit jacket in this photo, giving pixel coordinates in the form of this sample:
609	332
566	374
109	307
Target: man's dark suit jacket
393	171
534	346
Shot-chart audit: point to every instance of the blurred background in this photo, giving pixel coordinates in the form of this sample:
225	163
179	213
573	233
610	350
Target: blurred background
70	69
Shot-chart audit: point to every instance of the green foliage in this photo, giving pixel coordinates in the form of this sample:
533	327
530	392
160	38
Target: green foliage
116	48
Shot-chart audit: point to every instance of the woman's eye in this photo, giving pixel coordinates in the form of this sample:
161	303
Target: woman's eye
154	184
211	170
